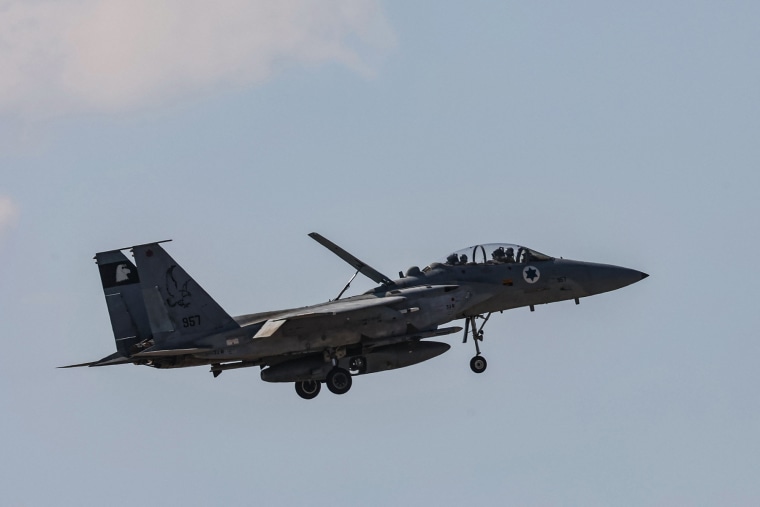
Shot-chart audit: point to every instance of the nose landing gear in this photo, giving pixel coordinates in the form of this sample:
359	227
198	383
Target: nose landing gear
478	363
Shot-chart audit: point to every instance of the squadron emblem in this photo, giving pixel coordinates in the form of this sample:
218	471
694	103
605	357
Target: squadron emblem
177	291
122	273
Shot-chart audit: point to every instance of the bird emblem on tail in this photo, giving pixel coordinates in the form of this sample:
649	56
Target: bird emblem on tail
178	295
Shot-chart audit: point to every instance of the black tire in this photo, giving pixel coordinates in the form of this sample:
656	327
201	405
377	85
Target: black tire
308	389
478	364
338	381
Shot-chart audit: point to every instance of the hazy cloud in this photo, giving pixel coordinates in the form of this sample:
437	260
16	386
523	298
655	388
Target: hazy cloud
105	55
8	214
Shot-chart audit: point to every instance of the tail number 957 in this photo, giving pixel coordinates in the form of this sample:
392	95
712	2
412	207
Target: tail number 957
192	321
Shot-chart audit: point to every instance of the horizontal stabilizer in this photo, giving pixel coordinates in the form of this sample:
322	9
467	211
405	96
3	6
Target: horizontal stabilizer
115	358
77	365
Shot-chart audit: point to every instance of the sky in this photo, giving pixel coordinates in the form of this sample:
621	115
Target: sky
618	133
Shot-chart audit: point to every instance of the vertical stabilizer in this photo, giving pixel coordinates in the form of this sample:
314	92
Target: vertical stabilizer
176	305
121	286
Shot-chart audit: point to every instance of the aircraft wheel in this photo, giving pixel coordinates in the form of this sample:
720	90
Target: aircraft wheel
338	381
308	389
478	364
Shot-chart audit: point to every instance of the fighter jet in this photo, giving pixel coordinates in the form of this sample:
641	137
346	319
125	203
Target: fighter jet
162	317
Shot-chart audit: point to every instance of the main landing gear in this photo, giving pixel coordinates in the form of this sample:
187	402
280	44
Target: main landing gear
308	389
338	381
478	363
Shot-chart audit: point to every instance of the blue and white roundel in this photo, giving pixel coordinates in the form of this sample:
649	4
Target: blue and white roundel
531	274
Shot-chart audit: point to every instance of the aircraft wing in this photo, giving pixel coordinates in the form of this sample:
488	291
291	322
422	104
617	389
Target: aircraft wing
340	306
326	310
360	266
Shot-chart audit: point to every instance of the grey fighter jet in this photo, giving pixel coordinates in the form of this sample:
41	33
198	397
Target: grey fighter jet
161	317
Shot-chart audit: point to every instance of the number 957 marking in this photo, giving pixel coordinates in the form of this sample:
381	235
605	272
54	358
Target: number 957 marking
192	321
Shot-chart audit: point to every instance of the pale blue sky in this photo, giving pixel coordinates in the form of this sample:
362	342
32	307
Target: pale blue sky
625	134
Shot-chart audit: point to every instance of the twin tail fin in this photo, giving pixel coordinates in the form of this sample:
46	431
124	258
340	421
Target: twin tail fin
123	293
176	305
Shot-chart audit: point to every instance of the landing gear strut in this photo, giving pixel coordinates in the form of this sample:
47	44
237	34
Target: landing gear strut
478	363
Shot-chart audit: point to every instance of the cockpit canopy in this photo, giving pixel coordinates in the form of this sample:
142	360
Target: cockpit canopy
491	253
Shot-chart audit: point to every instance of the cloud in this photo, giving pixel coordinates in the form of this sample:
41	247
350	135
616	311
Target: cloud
8	214
110	55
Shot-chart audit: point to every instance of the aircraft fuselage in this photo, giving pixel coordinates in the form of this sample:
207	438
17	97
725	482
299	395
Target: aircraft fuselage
163	318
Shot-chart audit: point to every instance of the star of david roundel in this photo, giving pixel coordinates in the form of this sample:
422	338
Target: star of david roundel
531	274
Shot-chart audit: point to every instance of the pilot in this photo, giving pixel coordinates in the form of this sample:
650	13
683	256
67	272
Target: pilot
510	257
452	259
498	255
463	259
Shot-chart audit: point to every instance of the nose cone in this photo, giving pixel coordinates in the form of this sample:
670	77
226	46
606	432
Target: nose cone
598	278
